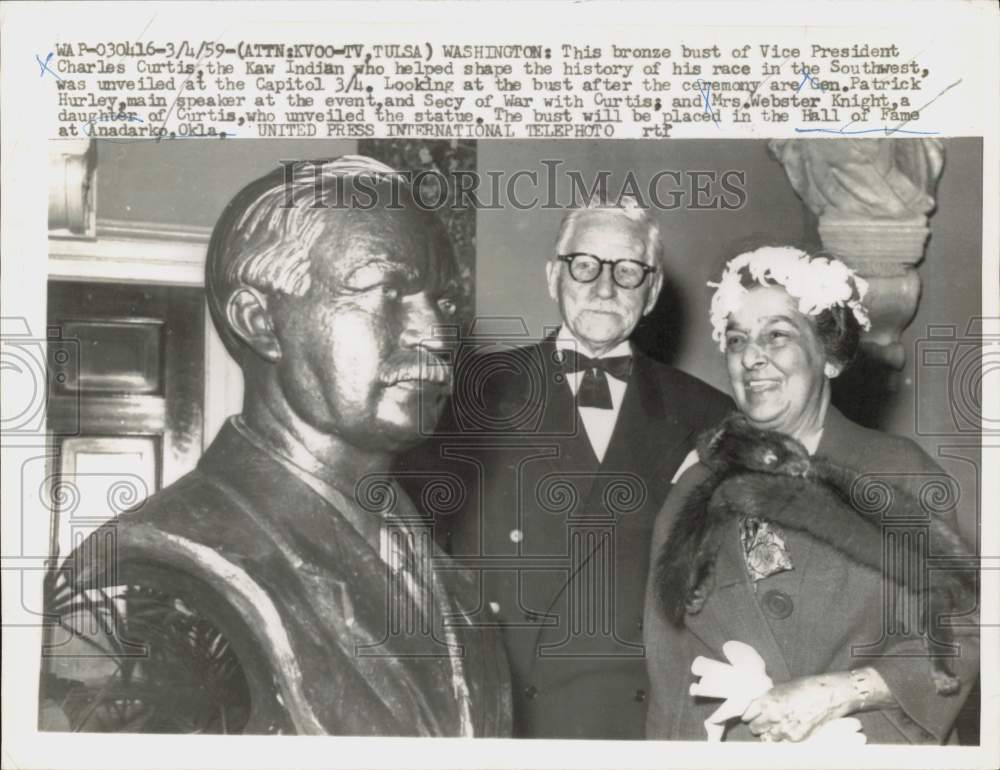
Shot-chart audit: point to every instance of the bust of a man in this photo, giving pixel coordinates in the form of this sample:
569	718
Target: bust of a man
287	584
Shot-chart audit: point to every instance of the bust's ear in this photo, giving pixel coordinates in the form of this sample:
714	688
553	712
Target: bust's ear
250	320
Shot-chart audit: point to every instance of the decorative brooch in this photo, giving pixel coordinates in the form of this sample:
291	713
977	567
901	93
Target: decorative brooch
764	548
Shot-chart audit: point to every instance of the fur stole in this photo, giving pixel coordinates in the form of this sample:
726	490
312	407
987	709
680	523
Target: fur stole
744	462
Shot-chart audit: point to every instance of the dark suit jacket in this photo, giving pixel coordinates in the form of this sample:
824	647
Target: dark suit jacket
826	614
561	541
302	599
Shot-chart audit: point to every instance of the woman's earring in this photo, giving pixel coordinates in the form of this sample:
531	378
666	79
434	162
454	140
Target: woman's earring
830	370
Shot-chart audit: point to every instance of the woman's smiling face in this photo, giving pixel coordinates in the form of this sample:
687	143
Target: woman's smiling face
776	363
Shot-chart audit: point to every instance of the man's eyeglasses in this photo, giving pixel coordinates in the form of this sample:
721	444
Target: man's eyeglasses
626	273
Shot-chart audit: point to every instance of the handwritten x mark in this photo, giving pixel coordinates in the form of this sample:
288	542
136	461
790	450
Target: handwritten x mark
806	76
43	66
706	92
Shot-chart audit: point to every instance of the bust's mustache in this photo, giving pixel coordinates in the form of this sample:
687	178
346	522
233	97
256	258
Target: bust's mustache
424	367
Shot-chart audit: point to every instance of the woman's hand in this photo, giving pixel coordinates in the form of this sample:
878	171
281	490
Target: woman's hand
791	711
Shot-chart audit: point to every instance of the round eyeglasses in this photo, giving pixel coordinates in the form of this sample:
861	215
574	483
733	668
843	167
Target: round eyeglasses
626	273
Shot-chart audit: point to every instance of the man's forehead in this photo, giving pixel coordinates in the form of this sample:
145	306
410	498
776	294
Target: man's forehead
607	229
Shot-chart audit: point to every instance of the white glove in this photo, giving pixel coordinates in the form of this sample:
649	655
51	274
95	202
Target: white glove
742	680
738	682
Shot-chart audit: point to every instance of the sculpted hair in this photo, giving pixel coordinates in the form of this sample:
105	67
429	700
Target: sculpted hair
626	206
264	237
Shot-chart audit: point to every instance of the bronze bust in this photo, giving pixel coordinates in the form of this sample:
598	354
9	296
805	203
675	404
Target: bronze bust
287	585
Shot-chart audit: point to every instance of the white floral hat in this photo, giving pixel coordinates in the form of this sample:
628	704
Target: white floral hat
818	283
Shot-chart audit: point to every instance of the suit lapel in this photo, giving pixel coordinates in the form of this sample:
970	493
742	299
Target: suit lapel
645	438
651	431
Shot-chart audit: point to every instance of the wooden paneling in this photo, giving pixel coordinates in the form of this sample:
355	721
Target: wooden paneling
102	477
116	356
125	396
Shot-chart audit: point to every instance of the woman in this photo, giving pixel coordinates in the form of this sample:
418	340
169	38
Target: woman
774	538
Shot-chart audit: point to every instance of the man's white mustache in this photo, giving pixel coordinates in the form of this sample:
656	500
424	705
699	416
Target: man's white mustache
611	309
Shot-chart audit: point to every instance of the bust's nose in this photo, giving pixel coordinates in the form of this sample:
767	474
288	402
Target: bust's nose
422	325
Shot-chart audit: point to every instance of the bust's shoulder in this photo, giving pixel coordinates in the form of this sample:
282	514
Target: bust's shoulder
199	510
193	503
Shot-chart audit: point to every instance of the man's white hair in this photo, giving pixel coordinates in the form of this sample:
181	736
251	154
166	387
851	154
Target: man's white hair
626	206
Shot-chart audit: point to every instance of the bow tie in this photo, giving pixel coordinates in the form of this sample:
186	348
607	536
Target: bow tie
594	390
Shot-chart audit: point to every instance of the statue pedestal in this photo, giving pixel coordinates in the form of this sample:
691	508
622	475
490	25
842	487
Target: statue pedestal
886	254
872	198
875	240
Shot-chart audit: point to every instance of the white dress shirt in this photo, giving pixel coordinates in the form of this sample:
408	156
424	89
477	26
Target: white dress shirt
599	423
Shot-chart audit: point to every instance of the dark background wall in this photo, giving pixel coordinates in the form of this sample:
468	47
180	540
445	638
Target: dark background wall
951	276
937	404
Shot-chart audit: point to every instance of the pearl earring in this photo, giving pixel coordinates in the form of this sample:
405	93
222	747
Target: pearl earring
830	371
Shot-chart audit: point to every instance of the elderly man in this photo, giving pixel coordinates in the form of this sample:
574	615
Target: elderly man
286	585
568	449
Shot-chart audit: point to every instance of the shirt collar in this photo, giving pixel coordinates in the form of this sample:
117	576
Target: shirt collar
566	340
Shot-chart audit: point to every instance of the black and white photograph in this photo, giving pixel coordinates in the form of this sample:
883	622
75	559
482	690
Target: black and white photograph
588	412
